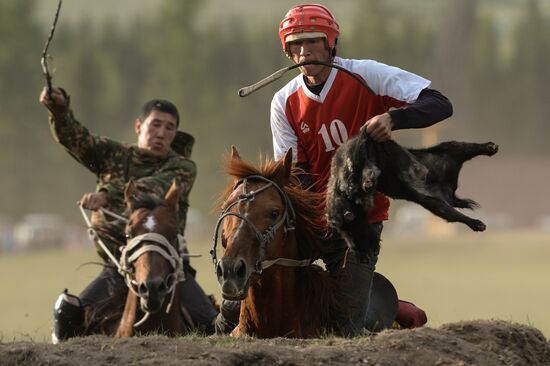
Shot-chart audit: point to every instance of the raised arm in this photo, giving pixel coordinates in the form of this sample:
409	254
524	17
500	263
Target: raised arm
86	148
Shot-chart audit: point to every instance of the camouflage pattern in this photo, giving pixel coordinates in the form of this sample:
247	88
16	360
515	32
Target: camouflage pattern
115	163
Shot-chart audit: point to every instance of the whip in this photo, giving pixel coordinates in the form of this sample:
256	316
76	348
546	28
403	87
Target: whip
247	90
45	56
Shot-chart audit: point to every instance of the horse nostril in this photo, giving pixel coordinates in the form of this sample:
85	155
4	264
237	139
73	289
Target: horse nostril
142	290
241	269
163	287
219	271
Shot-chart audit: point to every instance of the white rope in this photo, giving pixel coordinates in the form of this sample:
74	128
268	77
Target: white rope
143	320
92	233
111	213
165	249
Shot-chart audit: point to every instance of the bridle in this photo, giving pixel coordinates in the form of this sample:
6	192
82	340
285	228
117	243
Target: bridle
287	221
134	248
137	246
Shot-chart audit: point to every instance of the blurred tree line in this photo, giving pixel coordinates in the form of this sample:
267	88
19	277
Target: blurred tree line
495	73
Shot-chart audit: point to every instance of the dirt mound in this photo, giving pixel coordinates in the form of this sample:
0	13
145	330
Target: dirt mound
465	343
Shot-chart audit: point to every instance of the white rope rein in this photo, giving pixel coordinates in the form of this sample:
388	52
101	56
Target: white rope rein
92	233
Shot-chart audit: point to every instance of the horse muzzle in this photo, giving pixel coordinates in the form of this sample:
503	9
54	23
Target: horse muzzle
234	276
152	293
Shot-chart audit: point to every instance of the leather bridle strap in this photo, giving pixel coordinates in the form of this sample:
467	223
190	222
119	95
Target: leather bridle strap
286	262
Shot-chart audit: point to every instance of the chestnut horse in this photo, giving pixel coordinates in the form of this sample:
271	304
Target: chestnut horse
271	231
152	269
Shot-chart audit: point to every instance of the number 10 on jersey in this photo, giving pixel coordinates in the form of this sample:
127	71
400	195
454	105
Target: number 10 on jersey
336	135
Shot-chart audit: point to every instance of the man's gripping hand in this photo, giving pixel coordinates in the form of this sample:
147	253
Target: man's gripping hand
379	127
93	200
57	103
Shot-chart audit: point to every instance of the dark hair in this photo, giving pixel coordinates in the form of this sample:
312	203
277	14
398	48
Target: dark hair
159	105
333	53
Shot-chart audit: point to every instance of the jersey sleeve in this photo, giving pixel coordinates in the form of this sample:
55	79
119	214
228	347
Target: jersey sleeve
388	80
283	134
429	108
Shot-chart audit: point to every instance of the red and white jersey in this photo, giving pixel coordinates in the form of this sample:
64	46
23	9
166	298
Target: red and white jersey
314	126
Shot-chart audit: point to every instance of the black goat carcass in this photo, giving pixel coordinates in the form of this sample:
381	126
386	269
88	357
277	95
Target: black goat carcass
426	176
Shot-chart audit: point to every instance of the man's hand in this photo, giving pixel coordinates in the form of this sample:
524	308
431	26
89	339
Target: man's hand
57	104
379	127
93	200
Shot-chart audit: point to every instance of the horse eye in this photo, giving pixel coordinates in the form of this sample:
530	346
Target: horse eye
275	213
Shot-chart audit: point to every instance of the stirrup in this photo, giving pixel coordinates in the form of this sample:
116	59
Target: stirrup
68	317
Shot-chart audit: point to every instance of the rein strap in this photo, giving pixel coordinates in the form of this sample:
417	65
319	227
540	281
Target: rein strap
285	262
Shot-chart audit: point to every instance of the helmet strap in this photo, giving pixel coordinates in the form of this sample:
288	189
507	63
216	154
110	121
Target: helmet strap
333	50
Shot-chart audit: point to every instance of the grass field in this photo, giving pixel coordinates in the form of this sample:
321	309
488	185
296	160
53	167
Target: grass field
473	276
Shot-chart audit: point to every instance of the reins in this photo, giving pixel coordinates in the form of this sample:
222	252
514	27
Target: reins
92	233
288	219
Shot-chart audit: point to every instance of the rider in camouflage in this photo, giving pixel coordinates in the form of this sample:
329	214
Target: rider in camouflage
161	154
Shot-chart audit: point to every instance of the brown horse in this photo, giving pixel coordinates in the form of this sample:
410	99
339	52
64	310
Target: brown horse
271	230
152	266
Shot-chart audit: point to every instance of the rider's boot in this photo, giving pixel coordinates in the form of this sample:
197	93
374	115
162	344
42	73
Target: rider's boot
68	316
409	315
228	318
355	283
354	276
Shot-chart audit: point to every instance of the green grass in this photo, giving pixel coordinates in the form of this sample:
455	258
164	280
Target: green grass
473	276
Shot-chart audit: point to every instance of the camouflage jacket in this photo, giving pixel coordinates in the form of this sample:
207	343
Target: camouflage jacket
115	163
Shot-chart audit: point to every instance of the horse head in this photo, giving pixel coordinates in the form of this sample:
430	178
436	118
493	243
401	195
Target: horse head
150	259
256	215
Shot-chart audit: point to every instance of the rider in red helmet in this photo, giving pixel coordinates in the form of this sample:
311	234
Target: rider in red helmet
322	108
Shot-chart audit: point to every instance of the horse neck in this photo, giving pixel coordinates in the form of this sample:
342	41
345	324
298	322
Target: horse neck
271	308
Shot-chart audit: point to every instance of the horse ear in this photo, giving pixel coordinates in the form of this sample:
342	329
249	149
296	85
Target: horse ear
284	169
235	153
173	195
129	192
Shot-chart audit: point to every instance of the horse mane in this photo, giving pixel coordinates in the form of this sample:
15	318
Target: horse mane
317	288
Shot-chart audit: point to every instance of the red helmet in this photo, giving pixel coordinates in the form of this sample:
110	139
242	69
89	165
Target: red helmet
314	19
